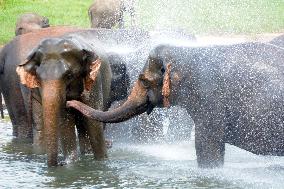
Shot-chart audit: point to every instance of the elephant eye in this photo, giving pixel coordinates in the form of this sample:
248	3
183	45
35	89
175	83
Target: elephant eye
69	76
163	70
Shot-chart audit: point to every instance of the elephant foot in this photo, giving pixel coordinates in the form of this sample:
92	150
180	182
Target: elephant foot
62	163
73	157
108	143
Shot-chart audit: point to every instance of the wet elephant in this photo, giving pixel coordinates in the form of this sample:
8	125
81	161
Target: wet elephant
234	94
1	99
29	22
1	104
61	69
109	13
278	41
11	55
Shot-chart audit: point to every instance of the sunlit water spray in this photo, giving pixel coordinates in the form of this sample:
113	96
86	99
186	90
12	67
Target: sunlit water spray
138	158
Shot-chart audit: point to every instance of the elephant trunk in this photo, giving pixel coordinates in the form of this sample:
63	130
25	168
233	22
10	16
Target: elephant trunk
52	102
136	104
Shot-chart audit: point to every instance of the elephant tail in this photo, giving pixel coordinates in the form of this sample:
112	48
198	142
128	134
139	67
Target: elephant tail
1	105
1	72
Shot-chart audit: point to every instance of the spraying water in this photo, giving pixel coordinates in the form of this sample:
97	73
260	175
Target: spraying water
147	155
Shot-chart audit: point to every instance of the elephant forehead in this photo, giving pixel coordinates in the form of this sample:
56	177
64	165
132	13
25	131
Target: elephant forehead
52	70
57	45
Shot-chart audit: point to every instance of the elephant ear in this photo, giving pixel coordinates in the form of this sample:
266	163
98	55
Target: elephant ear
26	71
93	64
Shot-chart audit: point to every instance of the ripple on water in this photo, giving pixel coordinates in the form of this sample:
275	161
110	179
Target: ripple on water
136	166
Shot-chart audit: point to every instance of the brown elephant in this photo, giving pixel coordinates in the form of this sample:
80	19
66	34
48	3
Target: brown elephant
29	22
109	13
61	69
11	55
234	94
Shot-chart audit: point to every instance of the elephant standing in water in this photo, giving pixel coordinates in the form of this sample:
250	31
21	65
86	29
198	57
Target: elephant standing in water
108	13
29	22
11	55
233	93
61	69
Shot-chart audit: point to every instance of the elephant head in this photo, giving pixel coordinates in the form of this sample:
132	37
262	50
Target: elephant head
149	91
61	70
29	22
105	13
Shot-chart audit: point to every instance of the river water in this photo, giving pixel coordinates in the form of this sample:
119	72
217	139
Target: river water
136	165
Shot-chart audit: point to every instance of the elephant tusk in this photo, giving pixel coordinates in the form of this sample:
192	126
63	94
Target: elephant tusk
166	90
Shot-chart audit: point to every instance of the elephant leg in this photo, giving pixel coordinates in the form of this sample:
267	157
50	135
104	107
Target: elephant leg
209	144
38	131
94	128
84	141
68	137
96	135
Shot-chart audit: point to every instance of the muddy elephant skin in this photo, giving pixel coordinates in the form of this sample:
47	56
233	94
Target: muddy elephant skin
30	22
233	93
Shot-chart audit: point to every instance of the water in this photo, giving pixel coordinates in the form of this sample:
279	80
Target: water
132	165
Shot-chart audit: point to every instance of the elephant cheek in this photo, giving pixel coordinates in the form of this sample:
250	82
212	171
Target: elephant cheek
53	99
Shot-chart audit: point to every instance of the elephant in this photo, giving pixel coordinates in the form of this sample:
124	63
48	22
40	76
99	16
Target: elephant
1	105
108	13
12	54
278	41
29	22
25	104
120	82
1	100
60	69
234	94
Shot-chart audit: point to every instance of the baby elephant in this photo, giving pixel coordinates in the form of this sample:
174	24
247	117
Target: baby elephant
29	22
108	13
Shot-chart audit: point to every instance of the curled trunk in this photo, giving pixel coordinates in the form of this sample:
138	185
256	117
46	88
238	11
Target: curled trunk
136	104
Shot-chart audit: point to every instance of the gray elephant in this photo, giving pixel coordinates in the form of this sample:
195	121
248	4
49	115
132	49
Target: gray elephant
66	68
27	105
233	93
109	13
29	22
12	54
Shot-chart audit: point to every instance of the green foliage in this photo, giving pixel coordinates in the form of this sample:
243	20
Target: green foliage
59	12
195	16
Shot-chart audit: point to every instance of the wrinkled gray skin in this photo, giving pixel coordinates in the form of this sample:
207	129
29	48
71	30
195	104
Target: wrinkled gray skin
17	96
61	65
11	55
109	13
30	22
233	93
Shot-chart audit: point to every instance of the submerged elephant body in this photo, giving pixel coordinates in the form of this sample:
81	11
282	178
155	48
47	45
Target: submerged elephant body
233	93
